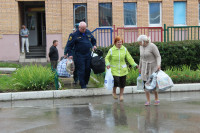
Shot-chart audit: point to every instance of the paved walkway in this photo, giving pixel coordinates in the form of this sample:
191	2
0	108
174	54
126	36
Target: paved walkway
177	113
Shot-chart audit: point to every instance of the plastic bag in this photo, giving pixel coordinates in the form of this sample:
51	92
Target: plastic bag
109	80
164	81
61	69
151	82
70	66
140	83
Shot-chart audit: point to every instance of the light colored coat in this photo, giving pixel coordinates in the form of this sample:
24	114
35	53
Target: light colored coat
150	59
116	59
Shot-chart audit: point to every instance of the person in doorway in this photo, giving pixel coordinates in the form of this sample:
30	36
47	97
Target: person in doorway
53	54
150	61
75	73
82	41
24	33
115	59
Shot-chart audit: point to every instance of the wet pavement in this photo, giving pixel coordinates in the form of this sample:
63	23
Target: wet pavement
177	113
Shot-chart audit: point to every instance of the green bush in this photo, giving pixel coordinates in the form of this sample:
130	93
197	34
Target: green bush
182	74
173	54
7	64
32	78
6	84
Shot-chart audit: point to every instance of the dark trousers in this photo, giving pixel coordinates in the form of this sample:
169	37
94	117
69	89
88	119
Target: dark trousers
83	68
54	64
75	74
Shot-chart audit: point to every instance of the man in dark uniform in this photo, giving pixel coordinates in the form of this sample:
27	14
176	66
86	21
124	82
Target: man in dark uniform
83	41
75	74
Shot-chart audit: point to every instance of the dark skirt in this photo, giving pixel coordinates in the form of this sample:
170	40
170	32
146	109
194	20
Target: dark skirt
119	81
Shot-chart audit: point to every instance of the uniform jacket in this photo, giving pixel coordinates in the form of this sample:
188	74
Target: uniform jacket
81	42
116	59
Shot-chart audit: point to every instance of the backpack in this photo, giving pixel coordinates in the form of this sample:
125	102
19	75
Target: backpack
98	62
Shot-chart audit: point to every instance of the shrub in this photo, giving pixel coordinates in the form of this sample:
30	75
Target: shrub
33	77
6	84
173	54
6	64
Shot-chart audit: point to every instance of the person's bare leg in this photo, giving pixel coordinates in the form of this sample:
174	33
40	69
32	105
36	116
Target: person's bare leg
156	95
157	102
121	98
114	93
148	97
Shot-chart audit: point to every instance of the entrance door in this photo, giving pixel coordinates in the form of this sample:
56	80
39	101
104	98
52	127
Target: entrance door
31	22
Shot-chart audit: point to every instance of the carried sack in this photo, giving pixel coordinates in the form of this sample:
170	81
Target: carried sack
97	62
151	82
164	82
61	69
140	83
70	66
109	80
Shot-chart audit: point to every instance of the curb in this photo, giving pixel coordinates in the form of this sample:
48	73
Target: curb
84	93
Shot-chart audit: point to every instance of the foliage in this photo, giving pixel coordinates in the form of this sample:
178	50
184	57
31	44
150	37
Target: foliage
97	79
173	54
6	84
33	77
9	65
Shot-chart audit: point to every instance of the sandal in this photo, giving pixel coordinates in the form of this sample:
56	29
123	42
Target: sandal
114	96
157	102
147	104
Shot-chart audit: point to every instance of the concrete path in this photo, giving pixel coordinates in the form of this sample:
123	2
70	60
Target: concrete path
177	113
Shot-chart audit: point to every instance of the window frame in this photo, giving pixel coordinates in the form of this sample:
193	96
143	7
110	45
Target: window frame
199	13
111	14
155	25
135	15
185	14
74	16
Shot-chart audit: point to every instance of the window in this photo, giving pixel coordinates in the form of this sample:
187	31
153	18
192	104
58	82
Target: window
130	14
179	13
80	13
199	13
105	14
155	14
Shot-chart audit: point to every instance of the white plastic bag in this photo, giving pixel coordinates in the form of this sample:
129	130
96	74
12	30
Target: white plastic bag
150	85
70	66
109	80
164	81
140	83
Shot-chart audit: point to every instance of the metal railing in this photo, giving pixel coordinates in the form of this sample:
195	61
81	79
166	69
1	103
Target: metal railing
103	36
180	33
130	34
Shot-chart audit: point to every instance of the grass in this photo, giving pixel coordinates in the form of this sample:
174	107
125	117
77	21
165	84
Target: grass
6	84
97	79
10	65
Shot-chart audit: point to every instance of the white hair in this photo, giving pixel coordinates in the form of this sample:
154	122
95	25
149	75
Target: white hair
144	38
82	23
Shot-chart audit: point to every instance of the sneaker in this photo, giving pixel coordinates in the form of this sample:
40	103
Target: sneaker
157	102
147	104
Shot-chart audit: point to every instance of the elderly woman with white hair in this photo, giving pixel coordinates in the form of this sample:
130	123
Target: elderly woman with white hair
150	61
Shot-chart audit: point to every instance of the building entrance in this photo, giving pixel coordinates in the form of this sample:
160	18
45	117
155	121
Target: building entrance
32	15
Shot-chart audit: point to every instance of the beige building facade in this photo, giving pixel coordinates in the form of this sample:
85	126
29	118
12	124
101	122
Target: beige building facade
50	20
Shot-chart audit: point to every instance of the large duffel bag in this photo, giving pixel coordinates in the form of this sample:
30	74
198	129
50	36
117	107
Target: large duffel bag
98	64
